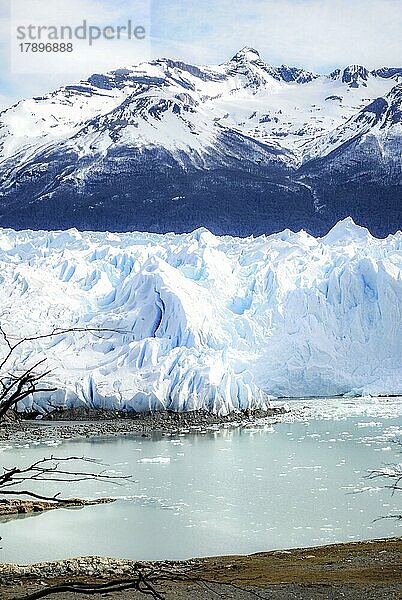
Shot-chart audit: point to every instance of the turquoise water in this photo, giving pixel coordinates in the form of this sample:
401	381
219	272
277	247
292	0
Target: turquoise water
300	483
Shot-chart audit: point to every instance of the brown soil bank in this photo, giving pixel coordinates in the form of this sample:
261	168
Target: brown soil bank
361	570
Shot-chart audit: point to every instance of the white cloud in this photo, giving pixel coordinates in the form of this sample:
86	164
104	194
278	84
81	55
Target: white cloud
312	33
36	16
316	34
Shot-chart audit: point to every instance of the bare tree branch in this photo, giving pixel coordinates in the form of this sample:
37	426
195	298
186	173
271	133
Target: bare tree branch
392	473
145	582
48	469
140	583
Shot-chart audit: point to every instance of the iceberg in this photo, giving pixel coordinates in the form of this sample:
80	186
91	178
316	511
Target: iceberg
197	321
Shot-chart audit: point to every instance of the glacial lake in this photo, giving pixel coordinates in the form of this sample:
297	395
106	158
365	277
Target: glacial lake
230	491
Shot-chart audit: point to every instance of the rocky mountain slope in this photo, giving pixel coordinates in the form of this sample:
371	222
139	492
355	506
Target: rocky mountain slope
242	147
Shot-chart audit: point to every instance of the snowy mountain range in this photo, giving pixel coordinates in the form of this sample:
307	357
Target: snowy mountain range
242	147
202	321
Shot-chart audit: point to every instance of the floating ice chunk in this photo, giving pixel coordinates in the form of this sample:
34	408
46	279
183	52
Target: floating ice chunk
163	460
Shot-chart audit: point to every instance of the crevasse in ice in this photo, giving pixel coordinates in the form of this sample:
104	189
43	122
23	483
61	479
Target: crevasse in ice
200	321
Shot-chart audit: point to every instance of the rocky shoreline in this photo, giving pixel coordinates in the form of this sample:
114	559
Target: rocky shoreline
86	423
16	506
357	570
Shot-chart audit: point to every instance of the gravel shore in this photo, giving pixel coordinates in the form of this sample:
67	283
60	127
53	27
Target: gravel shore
370	570
86	423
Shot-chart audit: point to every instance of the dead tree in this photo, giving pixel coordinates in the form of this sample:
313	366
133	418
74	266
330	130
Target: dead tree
139	583
391	475
149	581
16	383
15	387
50	470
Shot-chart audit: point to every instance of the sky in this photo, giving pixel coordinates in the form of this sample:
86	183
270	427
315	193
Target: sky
316	34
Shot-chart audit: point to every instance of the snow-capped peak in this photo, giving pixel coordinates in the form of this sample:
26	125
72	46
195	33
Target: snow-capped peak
247	53
352	75
355	75
244	113
388	72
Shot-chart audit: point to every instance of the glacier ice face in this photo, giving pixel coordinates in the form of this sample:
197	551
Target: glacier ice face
200	321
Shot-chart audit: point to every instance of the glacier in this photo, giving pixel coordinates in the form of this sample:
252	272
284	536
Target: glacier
198	321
